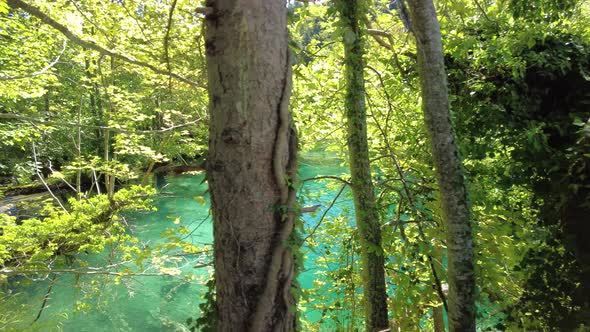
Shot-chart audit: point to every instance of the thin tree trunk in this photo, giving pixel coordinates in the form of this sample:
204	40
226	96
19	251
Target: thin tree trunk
367	217
79	151
251	165
435	105
437	312
437	319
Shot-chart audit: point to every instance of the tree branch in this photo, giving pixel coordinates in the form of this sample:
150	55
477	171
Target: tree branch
40	72
80	272
204	10
331	177
411	200
45	183
89	20
114	129
45	298
167	38
377	34
34	11
324	214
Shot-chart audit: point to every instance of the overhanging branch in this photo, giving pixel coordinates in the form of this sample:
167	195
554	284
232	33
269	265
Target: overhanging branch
34	11
79	125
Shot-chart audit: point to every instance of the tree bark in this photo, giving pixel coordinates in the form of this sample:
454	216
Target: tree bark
456	214
367	217
251	163
437	319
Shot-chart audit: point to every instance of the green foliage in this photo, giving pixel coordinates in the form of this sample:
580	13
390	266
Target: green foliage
88	226
551	273
519	77
102	92
498	68
519	93
207	321
542	9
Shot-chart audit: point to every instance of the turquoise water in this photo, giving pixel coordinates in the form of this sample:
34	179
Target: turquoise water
145	303
159	303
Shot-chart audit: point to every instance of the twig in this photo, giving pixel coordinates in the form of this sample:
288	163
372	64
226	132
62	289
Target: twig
324	214
40	72
96	182
410	197
196	228
45	298
136	22
483	12
63	179
332	177
43	180
113	129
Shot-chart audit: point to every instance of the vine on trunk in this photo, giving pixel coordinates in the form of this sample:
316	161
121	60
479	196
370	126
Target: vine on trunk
285	171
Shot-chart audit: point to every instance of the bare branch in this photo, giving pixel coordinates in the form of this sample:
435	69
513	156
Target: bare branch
381	33
40	72
45	183
331	177
379	40
377	34
324	214
45	298
91	44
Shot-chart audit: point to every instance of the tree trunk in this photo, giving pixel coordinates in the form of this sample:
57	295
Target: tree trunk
367	217
435	105
438	312
437	319
251	165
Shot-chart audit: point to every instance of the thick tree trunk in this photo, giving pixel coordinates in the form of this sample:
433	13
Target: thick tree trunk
435	104
251	163
367	216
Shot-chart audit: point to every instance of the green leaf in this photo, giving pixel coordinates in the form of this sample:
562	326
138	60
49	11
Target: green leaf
201	200
3	7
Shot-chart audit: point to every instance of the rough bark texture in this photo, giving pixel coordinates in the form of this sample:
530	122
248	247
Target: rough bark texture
367	217
251	158
435	104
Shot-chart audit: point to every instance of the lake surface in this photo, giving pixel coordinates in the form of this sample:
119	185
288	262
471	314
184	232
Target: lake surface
160	303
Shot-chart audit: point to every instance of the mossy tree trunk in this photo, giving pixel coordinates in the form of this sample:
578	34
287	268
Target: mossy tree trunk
456	214
352	14
251	163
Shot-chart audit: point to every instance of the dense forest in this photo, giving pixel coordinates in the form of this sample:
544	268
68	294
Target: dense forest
272	165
